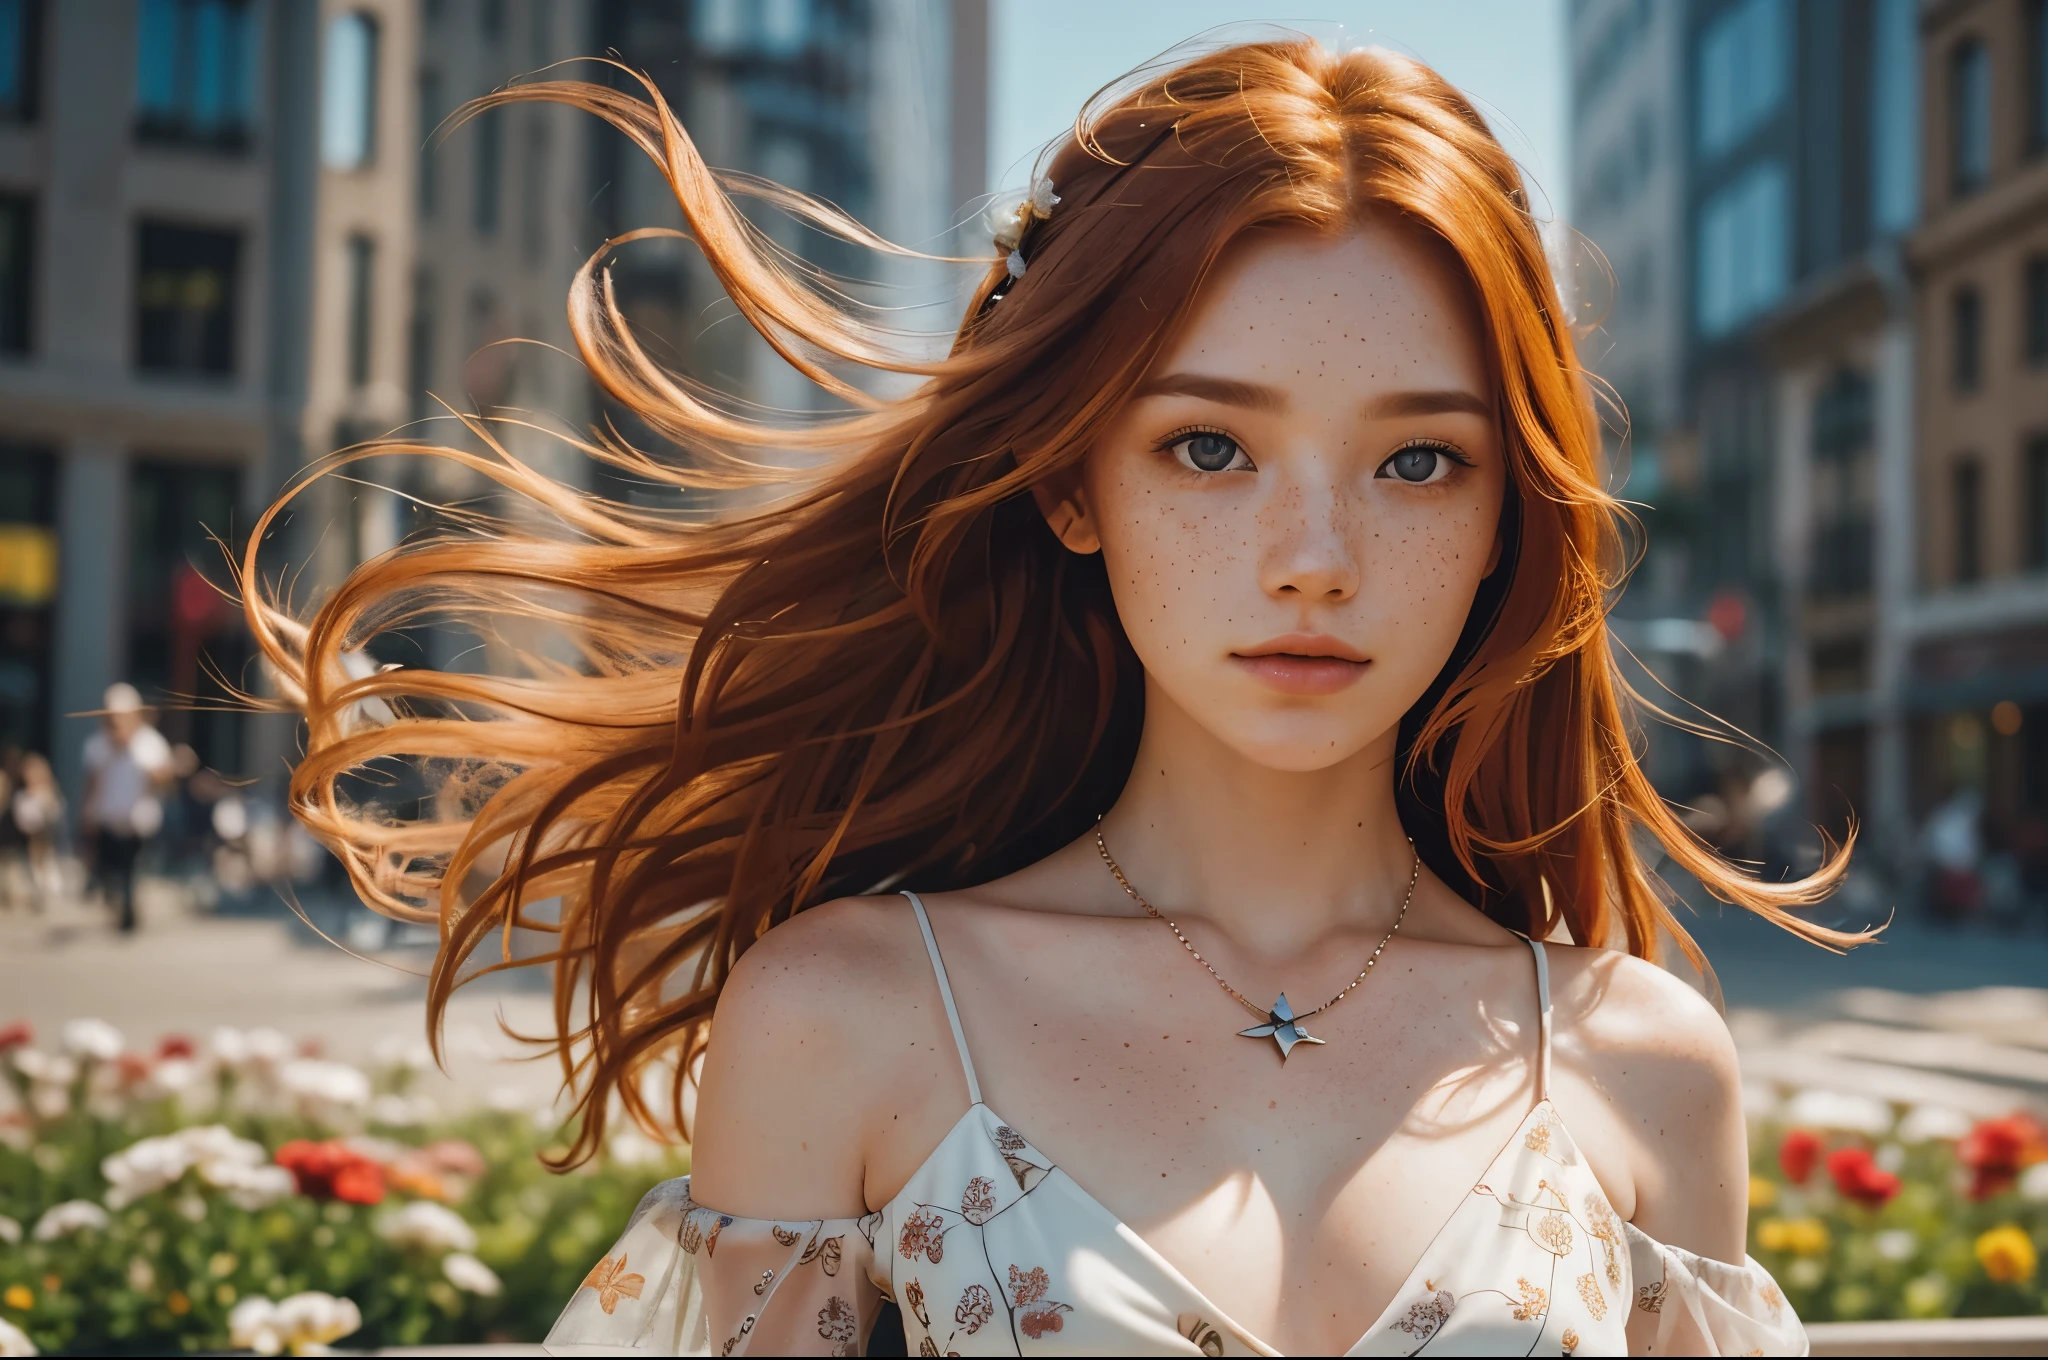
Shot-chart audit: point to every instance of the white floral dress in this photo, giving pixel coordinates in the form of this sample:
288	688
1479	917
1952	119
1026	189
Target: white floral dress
991	1249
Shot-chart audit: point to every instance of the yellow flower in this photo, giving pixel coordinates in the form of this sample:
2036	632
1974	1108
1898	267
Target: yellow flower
19	1297
2007	1254
1800	1236
1762	1193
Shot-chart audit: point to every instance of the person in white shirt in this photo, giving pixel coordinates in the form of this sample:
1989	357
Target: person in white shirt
127	765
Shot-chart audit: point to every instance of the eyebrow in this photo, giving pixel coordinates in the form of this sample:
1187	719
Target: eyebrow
1428	404
1228	391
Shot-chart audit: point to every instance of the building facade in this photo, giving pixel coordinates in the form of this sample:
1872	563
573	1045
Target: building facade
236	235
1769	374
1975	632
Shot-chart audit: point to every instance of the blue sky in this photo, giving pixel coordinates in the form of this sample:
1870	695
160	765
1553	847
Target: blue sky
1508	56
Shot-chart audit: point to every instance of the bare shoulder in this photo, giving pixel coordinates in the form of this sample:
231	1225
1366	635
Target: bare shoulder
1661	1057
825	1022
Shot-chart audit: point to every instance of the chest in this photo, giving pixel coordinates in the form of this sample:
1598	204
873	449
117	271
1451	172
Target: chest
1295	1195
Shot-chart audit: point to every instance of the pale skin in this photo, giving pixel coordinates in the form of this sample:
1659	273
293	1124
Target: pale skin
1314	460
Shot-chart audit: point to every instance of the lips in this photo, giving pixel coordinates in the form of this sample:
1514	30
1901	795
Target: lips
1303	664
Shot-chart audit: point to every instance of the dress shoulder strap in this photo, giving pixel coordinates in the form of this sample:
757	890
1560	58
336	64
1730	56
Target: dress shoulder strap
1542	1020
931	946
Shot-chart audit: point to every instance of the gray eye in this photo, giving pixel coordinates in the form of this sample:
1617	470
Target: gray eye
1415	465
1211	452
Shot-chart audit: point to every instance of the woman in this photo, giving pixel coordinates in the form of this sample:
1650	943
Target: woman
1212	653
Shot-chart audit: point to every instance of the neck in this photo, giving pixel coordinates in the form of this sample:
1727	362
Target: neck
1277	858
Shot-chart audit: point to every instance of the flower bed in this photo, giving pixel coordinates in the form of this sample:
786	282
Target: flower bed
1865	1213
244	1193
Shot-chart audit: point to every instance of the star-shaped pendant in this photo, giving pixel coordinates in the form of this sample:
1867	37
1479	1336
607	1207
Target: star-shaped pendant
1282	1028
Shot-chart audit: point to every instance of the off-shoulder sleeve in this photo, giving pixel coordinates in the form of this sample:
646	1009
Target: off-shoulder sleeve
1694	1305
686	1280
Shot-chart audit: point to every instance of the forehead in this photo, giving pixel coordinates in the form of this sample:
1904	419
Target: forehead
1377	305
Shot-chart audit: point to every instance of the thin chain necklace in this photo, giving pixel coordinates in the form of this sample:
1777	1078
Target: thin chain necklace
1280	1023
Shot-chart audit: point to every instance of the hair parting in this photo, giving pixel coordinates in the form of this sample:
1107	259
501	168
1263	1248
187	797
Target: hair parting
861	658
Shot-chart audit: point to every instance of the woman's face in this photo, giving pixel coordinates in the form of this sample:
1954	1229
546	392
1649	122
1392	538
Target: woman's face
1297	508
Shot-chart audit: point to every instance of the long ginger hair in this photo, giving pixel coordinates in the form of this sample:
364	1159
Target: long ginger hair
878	665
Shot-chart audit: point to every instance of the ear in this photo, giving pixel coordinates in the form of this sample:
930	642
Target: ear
1064	503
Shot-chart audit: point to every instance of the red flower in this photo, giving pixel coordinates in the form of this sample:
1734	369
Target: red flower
1858	1176
1798	1154
332	1170
1997	1150
133	1067
175	1046
17	1035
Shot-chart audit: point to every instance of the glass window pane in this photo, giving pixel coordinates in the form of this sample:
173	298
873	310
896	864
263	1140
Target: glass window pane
156	59
348	93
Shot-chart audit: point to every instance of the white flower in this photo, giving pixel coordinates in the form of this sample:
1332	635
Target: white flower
267	1046
10	1230
1933	1123
14	1341
428	1226
141	1275
229	1046
325	1083
171	1077
95	1039
144	1168
302	1323
1816	1109
73	1215
470	1275
2034	1183
1043	200
252	1187
252	1325
401	1112
52	1069
1896	1244
315	1319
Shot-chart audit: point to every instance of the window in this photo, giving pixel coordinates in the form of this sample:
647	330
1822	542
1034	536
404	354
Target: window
420	345
431	115
185	299
2037	502
182	639
1742	71
1966	503
489	185
19	30
2037	76
362	282
1967	325
195	69
348	93
2036	303
17	272
1744	259
1895	116
28	594
1969	117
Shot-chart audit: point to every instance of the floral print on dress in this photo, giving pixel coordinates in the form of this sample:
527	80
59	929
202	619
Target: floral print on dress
1534	1301
976	1307
978	1201
1035	1313
609	1278
1590	1295
1427	1318
924	1234
838	1324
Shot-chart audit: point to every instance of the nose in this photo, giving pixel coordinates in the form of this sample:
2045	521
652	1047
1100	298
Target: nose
1308	554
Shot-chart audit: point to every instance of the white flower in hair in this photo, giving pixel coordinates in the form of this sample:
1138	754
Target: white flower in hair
1015	264
1014	219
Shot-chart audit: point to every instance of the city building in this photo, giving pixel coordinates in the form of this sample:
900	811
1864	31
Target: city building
236	235
1974	636
1749	167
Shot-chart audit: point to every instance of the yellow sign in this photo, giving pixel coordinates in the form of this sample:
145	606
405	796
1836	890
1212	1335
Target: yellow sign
28	564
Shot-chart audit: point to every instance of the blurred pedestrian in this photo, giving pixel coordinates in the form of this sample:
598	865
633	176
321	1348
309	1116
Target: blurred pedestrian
127	769
1954	843
35	816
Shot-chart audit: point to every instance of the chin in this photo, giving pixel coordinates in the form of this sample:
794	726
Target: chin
1296	743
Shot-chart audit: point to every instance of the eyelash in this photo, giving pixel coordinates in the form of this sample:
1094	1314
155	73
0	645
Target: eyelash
1450	451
